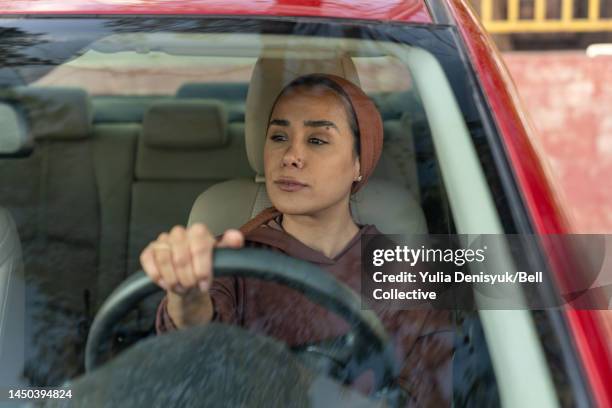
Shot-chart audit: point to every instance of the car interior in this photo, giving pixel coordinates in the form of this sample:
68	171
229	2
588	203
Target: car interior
107	174
112	160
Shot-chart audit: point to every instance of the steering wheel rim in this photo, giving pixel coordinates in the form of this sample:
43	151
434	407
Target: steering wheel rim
372	349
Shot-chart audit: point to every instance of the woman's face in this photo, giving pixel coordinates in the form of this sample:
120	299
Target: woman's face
309	158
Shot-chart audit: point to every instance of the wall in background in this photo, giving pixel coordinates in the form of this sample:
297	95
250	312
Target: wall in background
569	99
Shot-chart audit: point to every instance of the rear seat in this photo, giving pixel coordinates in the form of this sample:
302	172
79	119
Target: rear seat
186	146
70	200
123	109
114	162
232	94
91	196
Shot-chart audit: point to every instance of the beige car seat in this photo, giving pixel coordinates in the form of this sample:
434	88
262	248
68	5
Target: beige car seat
186	146
389	206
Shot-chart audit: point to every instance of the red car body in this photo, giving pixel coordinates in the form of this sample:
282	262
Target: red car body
413	11
535	187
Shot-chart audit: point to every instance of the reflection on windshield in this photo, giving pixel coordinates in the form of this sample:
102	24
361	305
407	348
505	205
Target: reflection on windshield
98	186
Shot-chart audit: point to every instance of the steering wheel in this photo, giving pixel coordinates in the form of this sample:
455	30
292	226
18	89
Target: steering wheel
365	347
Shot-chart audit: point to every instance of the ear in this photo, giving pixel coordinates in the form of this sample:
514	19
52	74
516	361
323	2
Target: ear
356	167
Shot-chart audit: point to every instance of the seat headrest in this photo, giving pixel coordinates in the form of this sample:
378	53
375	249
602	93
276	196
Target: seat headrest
14	129
269	77
188	124
227	91
60	113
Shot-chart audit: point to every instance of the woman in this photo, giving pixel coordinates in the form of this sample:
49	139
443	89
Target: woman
323	141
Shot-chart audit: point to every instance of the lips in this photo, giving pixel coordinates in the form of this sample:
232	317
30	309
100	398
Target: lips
289	185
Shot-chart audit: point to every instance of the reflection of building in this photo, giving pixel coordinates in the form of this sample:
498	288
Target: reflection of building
546	24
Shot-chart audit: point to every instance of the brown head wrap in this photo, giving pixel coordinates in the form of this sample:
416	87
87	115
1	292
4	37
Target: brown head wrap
370	128
369	124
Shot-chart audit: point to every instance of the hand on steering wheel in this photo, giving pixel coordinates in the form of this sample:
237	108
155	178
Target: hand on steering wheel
366	346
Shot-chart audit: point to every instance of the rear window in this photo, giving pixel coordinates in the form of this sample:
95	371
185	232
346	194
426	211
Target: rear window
145	73
158	73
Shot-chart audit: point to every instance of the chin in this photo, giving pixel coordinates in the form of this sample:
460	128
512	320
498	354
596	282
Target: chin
300	205
291	207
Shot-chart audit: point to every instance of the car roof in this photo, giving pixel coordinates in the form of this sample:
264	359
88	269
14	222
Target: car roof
414	11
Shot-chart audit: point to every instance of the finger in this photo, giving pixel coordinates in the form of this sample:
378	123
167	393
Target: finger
177	233
163	261
181	259
147	261
232	238
201	247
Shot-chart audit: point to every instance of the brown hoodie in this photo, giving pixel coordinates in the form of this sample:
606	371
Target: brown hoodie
423	339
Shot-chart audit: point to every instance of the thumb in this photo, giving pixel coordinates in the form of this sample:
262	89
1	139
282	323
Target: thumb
231	238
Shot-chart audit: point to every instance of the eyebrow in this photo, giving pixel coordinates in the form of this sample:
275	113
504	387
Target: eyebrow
320	123
310	123
279	122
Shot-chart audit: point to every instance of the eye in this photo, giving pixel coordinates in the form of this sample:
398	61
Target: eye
316	141
276	137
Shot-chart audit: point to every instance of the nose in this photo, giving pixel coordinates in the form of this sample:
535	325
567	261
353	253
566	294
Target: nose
293	156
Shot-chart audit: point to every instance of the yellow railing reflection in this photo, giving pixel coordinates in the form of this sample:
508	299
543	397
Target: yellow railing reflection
540	20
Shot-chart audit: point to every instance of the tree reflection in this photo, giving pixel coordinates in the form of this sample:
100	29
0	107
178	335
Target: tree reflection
19	47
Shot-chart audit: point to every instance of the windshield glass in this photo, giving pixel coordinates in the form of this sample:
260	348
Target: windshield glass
133	119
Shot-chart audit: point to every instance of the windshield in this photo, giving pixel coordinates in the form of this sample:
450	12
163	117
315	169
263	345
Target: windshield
133	119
